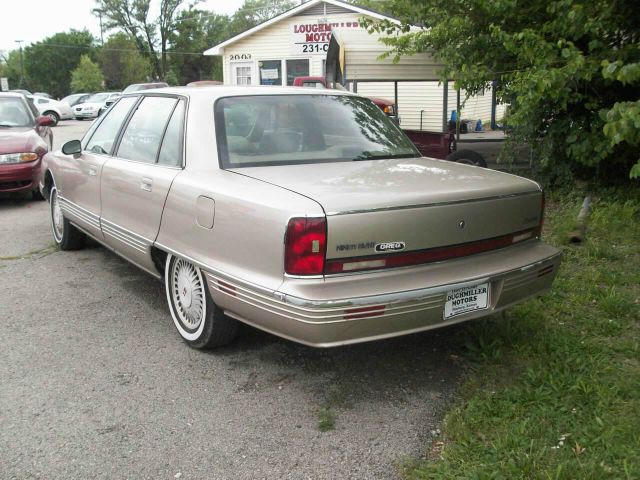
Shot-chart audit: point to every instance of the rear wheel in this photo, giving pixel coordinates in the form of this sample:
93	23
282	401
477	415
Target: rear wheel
199	321
53	116
66	236
468	157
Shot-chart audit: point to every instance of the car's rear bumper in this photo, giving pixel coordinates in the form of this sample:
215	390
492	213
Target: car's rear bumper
85	114
350	309
19	177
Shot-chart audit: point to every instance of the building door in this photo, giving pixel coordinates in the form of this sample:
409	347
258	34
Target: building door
242	73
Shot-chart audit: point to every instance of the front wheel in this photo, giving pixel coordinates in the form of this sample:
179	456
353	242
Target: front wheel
66	236
199	321
54	118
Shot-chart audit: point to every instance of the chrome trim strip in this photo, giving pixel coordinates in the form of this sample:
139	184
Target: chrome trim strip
117	236
427	205
207	268
83	214
127	232
324	315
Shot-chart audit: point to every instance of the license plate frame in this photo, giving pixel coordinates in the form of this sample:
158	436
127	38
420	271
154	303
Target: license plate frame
464	300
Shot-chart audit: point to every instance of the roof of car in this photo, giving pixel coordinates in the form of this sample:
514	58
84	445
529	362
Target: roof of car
12	94
217	91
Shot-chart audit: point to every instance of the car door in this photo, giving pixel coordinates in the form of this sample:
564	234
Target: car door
78	177
136	180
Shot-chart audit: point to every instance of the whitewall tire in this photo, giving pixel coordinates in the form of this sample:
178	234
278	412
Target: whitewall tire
198	320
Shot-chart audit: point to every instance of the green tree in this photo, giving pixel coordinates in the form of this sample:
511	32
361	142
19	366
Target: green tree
87	77
569	69
151	35
196	30
121	63
48	64
10	68
253	12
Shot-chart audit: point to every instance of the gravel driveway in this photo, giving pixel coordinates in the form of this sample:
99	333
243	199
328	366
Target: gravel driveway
96	383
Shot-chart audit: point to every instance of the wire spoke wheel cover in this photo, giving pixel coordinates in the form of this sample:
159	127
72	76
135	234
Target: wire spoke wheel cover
187	297
57	219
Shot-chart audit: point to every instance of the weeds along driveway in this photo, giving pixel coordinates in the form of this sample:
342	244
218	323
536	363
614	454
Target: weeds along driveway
97	383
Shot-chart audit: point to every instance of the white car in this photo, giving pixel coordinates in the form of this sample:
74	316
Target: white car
93	105
53	109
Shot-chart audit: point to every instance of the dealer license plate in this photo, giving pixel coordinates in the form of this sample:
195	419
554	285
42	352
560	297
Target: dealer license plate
465	300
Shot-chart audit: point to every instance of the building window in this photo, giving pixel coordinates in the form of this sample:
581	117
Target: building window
270	72
297	68
243	75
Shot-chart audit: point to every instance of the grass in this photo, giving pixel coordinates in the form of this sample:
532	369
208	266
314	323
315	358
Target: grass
49	249
553	390
326	419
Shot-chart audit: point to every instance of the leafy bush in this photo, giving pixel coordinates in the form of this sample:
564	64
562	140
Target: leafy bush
569	69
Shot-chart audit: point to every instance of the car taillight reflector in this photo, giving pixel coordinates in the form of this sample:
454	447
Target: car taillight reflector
363	312
305	246
425	256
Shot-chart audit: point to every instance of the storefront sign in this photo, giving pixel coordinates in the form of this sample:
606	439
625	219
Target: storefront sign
313	38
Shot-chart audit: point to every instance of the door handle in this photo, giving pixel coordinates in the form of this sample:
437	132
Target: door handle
93	170
146	183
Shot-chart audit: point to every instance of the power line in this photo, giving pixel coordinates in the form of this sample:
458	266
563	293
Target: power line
81	47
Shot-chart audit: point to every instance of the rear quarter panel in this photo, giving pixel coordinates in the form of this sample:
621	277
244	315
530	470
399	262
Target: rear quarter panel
247	237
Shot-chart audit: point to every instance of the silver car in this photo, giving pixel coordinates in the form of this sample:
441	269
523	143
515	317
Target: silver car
307	214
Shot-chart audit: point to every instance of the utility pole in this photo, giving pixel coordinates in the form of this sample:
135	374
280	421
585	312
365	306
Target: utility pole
97	11
19	42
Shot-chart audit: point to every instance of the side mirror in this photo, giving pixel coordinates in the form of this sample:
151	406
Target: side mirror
72	147
44	121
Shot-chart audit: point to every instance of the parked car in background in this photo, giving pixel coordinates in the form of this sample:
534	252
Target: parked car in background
137	87
308	214
26	93
110	101
53	109
93	105
76	98
25	137
204	83
43	94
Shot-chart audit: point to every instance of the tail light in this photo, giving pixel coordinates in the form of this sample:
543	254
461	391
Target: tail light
305	246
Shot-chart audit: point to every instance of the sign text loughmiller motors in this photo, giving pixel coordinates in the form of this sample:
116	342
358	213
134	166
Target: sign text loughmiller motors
314	37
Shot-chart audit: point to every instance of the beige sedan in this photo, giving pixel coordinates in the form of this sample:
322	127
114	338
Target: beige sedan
307	214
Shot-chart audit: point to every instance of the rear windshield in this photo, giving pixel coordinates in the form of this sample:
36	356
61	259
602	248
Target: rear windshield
14	113
292	129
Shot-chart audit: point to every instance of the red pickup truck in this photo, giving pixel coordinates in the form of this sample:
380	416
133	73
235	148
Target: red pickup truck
430	144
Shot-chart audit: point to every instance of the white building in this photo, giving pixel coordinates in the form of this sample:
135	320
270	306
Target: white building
294	44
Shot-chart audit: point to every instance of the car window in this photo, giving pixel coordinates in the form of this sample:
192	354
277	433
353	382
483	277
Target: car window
106	132
33	108
14	113
289	129
171	150
141	139
42	100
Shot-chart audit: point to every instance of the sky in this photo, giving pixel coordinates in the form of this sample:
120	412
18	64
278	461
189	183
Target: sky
33	20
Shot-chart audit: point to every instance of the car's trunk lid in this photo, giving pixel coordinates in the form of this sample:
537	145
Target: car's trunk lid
411	204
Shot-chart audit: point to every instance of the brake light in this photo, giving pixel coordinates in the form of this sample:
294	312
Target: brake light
305	246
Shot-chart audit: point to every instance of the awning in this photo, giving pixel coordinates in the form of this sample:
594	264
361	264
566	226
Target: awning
354	56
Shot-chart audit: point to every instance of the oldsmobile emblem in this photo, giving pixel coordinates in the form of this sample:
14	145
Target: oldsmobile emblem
390	246
461	224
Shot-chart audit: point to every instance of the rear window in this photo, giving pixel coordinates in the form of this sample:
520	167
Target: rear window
294	129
